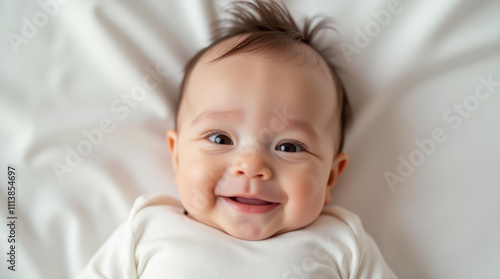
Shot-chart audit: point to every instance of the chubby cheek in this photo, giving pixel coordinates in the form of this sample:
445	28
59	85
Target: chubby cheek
306	197
196	181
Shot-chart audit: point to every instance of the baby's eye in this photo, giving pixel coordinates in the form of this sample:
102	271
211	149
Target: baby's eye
220	139
290	147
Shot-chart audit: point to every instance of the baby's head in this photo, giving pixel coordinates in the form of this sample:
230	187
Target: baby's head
259	128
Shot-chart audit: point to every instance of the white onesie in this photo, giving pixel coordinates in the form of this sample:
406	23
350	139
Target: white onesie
159	241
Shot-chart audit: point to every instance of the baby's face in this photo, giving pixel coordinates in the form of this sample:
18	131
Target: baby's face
254	150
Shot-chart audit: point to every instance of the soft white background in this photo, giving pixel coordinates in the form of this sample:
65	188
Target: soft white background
443	221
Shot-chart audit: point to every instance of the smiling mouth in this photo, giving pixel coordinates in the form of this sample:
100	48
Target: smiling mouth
250	201
249	205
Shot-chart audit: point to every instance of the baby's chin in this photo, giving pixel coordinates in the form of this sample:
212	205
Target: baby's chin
247	231
251	232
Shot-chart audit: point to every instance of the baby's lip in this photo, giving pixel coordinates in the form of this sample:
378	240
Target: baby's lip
248	204
251	200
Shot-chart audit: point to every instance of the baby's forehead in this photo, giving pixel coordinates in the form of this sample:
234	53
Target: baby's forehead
293	74
297	77
297	53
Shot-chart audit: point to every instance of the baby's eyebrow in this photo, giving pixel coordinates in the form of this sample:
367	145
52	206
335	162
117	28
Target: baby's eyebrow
303	125
217	115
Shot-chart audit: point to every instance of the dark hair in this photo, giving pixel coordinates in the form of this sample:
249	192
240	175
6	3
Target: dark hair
268	25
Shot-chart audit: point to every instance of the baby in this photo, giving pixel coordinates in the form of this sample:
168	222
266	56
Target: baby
257	149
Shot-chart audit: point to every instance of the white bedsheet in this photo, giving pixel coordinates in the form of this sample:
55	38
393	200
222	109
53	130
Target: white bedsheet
415	71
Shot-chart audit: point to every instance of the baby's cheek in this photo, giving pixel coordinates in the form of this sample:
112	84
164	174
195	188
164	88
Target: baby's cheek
306	198
196	183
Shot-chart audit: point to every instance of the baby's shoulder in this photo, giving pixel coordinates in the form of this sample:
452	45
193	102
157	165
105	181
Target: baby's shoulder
152	200
152	206
340	215
340	228
345	238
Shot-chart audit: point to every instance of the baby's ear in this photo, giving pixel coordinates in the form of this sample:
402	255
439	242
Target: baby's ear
338	166
172	143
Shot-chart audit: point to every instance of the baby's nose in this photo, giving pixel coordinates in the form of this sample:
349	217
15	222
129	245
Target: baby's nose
252	165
